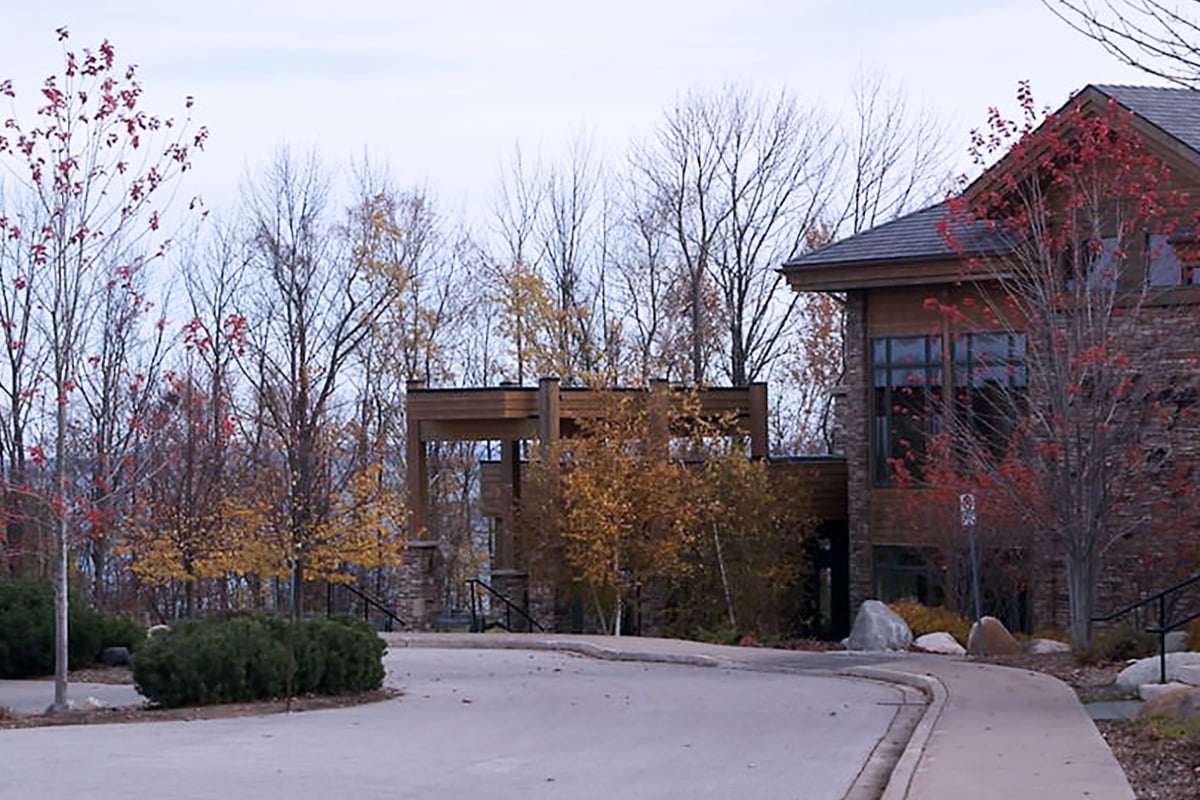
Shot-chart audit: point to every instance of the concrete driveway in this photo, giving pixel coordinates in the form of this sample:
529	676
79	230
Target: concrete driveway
495	723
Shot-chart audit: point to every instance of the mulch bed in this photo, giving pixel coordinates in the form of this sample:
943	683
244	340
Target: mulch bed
1158	769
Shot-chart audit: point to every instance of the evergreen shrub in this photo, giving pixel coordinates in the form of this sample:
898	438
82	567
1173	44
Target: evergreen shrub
27	629
239	660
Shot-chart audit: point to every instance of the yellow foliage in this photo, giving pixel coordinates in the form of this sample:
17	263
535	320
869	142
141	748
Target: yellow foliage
924	619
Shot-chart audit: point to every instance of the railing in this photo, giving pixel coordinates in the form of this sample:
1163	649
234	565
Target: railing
479	622
369	602
1165	624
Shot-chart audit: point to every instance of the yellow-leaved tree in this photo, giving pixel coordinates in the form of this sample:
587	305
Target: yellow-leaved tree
653	498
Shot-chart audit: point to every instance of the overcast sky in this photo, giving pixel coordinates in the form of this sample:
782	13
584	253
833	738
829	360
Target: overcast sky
442	90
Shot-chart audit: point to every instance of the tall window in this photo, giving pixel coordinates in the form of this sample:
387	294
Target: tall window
907	378
990	380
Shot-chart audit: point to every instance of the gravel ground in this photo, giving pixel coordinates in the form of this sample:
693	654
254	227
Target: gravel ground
1158	769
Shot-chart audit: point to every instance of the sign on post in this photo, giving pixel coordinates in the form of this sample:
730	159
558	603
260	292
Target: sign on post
966	506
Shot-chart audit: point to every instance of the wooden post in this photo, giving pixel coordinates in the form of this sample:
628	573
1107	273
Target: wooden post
549	411
418	471
756	397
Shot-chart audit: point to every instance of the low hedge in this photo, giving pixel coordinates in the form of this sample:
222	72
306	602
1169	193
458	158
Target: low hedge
1120	643
27	629
923	619
254	658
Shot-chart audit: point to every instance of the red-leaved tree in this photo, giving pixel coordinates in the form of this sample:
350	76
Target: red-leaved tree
1072	240
88	168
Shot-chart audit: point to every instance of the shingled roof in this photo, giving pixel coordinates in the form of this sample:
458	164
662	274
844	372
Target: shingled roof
1175	110
915	237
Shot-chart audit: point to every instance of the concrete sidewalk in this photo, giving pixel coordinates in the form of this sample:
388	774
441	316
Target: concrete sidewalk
34	696
987	731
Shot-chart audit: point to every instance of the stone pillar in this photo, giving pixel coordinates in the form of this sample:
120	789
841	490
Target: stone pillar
856	440
417	475
420	575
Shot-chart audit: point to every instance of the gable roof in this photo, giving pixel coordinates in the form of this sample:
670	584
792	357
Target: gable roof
915	236
909	238
1175	110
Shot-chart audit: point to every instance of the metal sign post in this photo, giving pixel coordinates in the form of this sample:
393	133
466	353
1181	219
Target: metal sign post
966	507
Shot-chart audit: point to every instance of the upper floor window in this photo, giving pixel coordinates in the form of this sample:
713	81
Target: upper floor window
1099	260
907	399
1164	267
990	379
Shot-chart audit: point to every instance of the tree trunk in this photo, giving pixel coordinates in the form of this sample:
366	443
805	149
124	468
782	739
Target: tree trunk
61	632
297	590
1081	596
724	579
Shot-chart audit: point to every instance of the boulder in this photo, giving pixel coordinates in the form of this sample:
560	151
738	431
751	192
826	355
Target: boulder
1149	691
940	642
1177	642
989	637
877	627
1145	670
1180	703
115	656
1045	647
93	704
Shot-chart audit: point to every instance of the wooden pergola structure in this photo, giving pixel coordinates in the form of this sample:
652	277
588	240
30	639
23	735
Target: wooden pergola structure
547	412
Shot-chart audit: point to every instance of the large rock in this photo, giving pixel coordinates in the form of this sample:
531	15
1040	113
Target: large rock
1045	647
877	627
115	656
989	637
1145	670
1177	641
1180	703
940	642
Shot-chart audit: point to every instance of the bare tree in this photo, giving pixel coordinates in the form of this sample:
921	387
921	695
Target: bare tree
312	312
898	154
118	385
1154	36
742	178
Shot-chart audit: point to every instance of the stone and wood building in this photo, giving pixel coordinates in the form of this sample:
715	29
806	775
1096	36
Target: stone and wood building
889	275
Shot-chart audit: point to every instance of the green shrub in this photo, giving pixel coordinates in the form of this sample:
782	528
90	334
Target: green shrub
238	660
1119	643
116	630
924	619
27	629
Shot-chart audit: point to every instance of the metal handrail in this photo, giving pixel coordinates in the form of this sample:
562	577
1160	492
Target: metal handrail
368	601
1164	625
479	624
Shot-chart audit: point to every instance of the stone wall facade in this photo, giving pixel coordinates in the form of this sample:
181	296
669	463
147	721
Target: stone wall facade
854	426
1147	549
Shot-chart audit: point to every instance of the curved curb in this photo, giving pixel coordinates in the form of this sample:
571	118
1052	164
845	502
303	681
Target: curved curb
475	641
900	777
